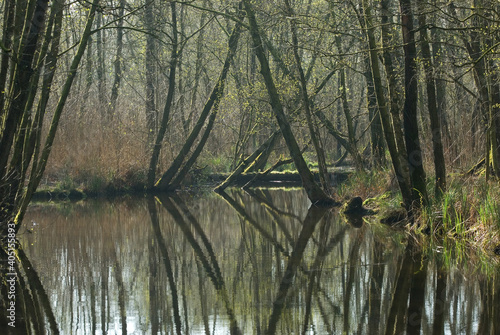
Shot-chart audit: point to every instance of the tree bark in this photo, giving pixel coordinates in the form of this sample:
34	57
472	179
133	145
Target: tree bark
37	173
393	85
8	28
21	81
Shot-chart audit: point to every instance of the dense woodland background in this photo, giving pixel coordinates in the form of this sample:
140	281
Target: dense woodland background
142	92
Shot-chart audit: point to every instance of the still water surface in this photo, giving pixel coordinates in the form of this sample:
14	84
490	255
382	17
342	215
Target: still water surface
244	263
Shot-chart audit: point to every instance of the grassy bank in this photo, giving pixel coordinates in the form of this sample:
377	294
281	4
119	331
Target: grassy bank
464	224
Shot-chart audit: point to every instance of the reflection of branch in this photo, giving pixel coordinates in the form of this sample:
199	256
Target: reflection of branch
241	211
166	261
267	203
202	234
275	212
313	216
395	322
35	285
323	251
213	272
121	290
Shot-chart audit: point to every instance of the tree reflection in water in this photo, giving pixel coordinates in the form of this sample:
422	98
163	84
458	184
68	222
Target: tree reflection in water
257	262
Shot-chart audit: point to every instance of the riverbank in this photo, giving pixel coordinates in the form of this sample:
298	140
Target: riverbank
467	215
77	189
466	218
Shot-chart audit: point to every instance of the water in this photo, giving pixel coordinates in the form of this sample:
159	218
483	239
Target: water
247	263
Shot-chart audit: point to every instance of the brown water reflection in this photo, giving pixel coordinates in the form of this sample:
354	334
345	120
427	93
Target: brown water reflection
243	263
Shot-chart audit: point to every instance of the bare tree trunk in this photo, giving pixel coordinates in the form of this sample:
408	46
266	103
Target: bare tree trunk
376	131
174	57
21	81
39	165
151	112
394	88
437	143
117	63
400	168
101	76
213	102
197	74
410	122
88	79
313	129
8	29
315	193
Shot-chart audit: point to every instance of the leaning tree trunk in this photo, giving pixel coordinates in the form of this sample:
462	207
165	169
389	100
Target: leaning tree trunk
174	59
314	192
213	102
313	129
247	162
40	164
